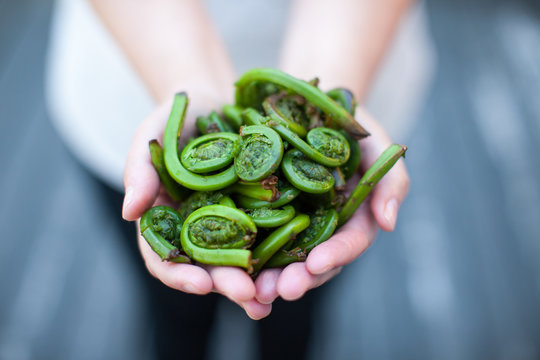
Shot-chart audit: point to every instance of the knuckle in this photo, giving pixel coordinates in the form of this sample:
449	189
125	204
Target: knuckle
358	244
349	245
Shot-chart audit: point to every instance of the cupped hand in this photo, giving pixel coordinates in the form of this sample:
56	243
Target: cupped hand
353	238
143	190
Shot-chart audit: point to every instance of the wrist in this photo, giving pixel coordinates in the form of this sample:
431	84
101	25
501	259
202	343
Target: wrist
347	50
355	79
203	96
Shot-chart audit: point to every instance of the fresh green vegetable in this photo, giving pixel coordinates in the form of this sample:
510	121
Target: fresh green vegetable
283	153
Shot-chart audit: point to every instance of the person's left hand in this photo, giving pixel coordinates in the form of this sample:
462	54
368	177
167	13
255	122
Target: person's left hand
353	238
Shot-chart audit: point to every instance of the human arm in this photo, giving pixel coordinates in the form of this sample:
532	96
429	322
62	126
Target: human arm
173	46
342	43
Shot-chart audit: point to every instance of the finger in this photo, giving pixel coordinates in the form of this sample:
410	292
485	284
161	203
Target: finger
265	286
184	277
255	310
140	178
296	280
389	193
232	282
344	246
388	196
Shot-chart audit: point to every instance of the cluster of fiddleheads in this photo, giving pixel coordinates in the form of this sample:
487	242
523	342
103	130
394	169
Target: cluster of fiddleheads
263	184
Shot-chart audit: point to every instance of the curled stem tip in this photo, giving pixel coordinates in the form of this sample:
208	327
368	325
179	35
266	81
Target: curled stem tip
312	94
175	167
161	227
219	235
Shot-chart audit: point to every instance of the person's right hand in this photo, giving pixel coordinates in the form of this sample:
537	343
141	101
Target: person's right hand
143	190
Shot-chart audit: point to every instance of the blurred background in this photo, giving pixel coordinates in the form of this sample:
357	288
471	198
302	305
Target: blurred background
458	279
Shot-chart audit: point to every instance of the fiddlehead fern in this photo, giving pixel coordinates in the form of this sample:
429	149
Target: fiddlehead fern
269	218
200	199
175	168
333	111
252	93
336	152
322	226
210	152
253	117
219	235
286	195
288	111
329	143
260	154
352	165
265	190
346	99
233	114
339	179
279	237
161	227
211	124
306	174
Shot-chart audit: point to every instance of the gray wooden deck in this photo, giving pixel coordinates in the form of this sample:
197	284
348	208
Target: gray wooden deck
459	279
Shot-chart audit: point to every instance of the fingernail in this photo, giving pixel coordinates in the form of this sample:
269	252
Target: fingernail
390	212
319	264
265	301
191	288
324	267
267	294
128	199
